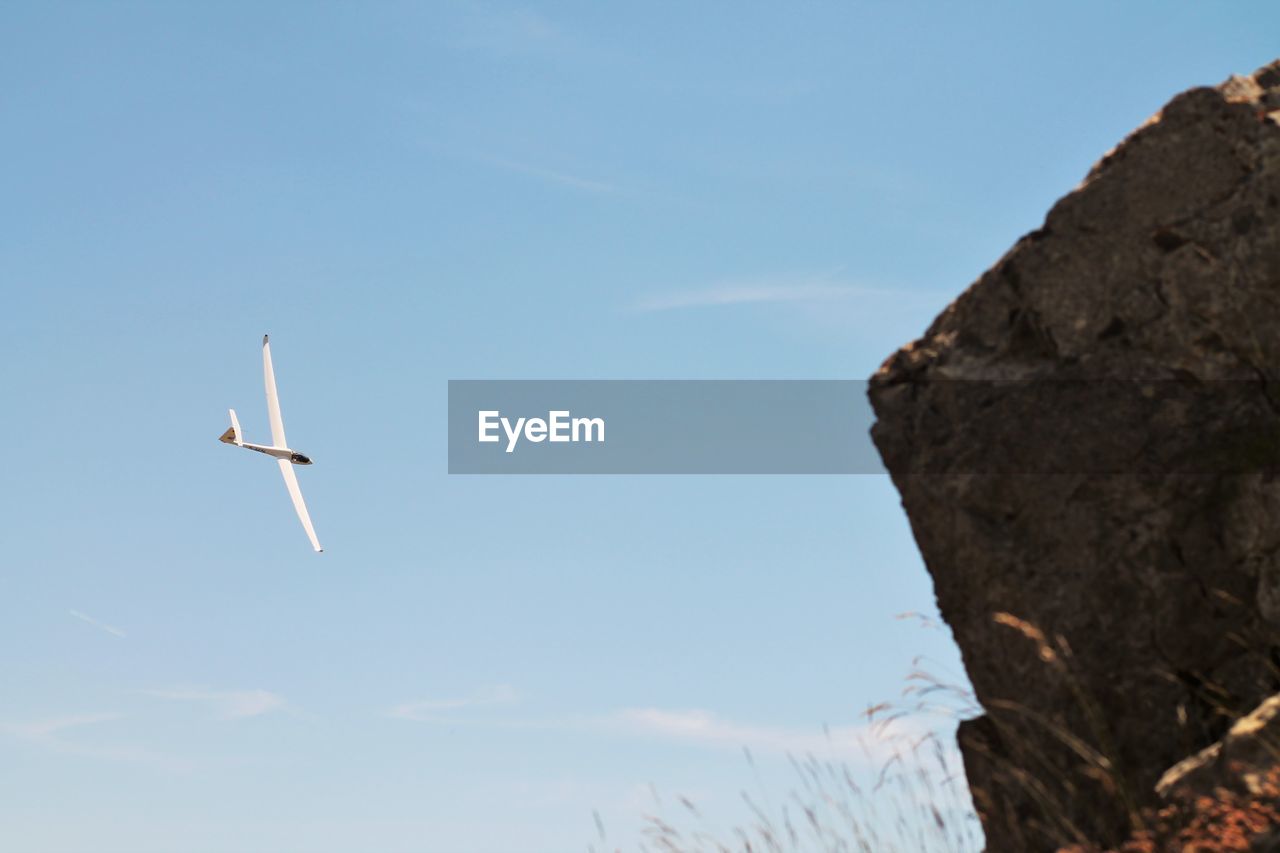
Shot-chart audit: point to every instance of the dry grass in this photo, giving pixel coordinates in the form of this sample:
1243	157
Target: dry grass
910	795
907	795
916	803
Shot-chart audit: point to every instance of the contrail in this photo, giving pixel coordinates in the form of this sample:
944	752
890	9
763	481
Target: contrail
110	629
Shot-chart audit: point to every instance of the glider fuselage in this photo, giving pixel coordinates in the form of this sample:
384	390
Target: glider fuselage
279	453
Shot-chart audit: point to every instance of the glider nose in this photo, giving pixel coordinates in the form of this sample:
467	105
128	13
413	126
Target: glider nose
299	459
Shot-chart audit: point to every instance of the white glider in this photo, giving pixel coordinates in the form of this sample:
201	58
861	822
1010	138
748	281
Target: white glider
279	448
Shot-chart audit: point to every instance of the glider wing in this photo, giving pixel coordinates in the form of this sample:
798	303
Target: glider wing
291	481
273	411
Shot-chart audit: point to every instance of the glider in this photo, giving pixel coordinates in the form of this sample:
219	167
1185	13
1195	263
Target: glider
279	448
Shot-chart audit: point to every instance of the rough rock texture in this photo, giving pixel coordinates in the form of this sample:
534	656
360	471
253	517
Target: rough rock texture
1141	607
1223	799
1240	761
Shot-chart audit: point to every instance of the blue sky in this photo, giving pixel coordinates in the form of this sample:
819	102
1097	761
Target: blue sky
403	194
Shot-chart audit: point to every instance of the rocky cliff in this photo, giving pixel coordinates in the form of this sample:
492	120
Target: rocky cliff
1086	443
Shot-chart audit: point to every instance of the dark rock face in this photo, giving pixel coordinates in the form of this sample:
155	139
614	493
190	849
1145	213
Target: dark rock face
1141	594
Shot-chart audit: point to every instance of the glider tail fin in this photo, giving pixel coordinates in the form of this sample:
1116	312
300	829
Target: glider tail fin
233	435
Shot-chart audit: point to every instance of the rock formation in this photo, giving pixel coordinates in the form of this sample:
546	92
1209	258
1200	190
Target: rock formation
1086	443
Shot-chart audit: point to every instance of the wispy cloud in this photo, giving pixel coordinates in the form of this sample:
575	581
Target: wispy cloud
53	734
48	727
782	289
430	710
705	728
110	629
563	178
870	742
226	704
510	31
